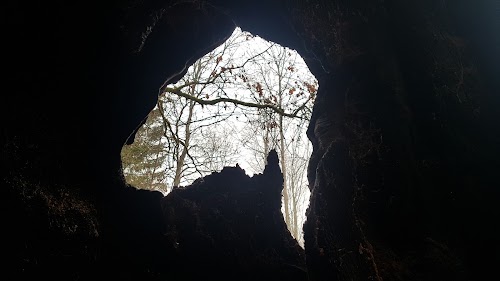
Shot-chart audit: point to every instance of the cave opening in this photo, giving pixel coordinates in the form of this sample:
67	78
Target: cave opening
405	136
234	105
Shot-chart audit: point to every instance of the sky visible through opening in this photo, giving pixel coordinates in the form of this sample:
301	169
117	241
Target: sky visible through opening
235	104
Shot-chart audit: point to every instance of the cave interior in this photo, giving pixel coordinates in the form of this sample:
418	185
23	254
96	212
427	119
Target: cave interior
404	131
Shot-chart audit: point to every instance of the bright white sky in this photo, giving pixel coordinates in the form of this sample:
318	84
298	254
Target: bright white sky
237	122
242	52
234	132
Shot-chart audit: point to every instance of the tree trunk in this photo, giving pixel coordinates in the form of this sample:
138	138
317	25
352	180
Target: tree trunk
283	170
182	157
266	142
295	216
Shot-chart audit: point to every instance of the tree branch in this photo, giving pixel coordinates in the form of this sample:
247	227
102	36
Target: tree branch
276	109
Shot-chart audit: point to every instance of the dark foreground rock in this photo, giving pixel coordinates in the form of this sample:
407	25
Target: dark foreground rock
403	176
231	227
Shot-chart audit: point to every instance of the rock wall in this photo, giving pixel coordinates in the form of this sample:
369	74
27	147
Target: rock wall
404	129
231	227
403	168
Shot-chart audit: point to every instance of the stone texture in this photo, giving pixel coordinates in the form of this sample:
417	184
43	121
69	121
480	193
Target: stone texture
405	134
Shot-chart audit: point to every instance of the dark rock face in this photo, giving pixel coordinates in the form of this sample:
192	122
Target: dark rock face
405	133
401	152
232	227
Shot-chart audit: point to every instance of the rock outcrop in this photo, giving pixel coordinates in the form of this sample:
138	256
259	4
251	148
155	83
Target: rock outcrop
231	227
405	133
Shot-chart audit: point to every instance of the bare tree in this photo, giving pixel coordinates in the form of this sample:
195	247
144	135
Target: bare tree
246	85
285	83
298	151
186	124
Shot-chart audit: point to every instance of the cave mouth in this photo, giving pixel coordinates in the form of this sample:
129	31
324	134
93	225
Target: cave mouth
236	103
